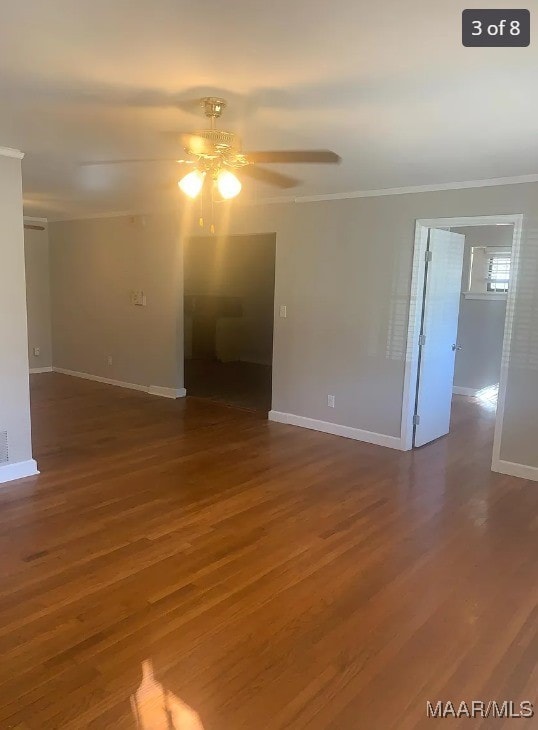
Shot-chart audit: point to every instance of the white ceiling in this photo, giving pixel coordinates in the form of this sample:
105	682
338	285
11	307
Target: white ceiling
385	84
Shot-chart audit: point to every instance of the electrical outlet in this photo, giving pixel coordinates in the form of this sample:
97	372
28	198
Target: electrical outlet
109	359
330	401
283	311
37	351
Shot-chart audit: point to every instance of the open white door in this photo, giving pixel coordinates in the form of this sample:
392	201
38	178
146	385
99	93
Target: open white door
444	261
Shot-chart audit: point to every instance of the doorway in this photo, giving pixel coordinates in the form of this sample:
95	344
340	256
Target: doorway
229	284
453	267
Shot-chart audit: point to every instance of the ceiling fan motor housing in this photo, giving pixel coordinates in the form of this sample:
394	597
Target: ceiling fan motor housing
220	139
223	146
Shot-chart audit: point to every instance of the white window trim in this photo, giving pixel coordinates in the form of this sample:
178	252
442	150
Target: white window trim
492	296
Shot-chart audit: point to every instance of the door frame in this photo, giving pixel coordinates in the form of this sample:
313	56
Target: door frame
415	311
192	236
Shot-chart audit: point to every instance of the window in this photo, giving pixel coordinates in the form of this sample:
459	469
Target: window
489	275
498	272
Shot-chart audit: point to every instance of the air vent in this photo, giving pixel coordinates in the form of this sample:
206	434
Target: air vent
4	455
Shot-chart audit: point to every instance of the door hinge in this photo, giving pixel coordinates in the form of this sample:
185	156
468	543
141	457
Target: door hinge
428	256
422	340
416	420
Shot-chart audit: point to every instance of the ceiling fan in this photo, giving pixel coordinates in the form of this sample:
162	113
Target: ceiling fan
216	152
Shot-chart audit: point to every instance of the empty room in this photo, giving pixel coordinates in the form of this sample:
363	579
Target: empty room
269	365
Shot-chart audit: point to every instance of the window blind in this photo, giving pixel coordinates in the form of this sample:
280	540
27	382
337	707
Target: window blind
498	272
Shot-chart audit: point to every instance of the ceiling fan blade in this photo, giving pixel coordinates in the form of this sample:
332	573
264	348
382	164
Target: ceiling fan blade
269	176
88	163
320	157
31	227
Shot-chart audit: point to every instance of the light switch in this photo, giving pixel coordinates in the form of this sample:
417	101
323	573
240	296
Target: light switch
283	311
138	298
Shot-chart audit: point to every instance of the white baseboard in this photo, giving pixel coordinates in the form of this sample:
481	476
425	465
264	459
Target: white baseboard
34	371
369	437
99	379
515	470
472	392
167	392
19	470
152	389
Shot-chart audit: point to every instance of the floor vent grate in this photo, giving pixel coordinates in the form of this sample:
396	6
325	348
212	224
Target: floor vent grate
4	454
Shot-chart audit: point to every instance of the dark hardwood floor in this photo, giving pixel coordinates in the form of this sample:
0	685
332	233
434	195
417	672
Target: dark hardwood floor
240	384
267	576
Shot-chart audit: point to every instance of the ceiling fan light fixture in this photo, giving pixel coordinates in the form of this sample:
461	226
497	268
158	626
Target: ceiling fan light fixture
192	183
228	184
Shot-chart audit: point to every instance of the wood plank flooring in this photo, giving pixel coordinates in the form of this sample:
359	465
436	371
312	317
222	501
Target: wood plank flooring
266	576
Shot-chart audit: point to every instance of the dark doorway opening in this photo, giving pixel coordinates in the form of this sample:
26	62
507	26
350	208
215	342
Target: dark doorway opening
229	284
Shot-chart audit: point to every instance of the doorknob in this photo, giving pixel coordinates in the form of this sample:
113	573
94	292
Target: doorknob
456	347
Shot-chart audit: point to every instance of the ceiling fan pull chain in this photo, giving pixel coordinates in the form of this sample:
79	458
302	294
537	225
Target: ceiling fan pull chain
212	227
201	219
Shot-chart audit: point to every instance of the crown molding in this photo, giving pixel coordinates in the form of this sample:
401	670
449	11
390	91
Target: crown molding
110	214
413	189
33	219
287	199
408	190
10	152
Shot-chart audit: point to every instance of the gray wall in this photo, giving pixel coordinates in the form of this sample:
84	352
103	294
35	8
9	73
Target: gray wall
95	264
343	268
14	396
36	256
481	322
242	267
